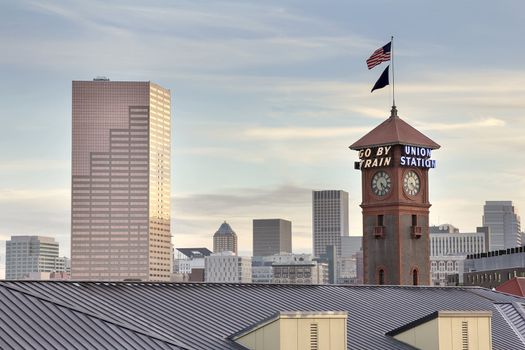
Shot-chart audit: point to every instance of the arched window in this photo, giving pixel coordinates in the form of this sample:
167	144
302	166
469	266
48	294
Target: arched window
381	276
415	277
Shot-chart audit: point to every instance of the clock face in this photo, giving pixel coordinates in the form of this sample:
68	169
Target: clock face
381	183
411	183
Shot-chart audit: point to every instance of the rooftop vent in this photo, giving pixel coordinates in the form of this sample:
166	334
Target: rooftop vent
289	330
443	330
101	78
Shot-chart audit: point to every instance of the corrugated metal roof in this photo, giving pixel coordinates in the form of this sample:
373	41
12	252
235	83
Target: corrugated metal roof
29	321
202	316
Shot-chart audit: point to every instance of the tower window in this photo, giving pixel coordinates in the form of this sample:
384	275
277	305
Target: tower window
381	277
380	220
414	220
415	277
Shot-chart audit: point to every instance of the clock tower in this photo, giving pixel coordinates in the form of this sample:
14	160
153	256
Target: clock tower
394	159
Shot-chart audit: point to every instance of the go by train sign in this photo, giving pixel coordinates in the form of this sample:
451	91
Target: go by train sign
382	156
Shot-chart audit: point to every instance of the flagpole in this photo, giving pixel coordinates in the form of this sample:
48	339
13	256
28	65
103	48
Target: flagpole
393	76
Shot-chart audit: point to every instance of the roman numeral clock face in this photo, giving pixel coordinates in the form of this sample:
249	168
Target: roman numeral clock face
381	183
411	183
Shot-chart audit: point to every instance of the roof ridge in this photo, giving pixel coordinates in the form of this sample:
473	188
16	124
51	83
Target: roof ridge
90	313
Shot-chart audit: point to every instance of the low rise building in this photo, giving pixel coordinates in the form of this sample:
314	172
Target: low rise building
189	264
299	269
228	267
449	248
494	268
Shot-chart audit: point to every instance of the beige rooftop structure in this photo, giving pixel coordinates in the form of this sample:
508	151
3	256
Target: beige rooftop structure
296	331
120	181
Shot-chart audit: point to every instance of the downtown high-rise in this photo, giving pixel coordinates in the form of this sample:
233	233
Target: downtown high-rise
271	236
504	223
329	220
27	255
120	217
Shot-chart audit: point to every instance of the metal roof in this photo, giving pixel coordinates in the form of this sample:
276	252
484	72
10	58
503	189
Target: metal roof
30	321
394	131
194	252
204	315
225	230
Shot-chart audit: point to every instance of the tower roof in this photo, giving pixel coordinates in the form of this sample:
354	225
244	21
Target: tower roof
225	230
394	131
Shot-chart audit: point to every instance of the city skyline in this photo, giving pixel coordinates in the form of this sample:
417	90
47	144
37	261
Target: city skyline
266	100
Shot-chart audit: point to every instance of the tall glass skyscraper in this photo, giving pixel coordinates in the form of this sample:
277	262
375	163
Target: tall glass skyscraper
329	219
120	188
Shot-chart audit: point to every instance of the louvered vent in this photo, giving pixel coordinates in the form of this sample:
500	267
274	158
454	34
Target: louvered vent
464	335
314	336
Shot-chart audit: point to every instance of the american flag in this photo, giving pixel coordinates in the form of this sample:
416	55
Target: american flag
380	55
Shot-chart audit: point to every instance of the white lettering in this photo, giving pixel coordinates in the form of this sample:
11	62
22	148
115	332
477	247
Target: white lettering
402	160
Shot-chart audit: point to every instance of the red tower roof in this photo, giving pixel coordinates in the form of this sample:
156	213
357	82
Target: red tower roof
394	131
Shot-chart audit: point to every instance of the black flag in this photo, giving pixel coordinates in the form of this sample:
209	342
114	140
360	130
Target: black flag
382	81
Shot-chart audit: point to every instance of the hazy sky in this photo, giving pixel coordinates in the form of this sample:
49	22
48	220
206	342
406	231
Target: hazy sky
266	98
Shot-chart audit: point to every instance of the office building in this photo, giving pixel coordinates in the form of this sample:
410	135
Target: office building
262	270
120	217
494	268
189	265
290	268
225	239
226	267
271	236
33	257
299	269
329	219
351	245
449	249
443	244
504	223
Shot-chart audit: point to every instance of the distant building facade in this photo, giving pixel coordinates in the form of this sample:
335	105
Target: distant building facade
329	219
347	263
189	264
271	236
225	239
504	223
493	268
120	184
262	270
449	248
227	267
299	269
290	269
33	256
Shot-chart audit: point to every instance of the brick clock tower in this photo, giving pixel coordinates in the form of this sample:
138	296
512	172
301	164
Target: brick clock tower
394	159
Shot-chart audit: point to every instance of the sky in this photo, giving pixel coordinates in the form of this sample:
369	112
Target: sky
266	98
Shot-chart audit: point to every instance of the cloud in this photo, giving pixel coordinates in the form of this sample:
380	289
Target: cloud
198	216
220	36
483	123
292	133
58	195
34	165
